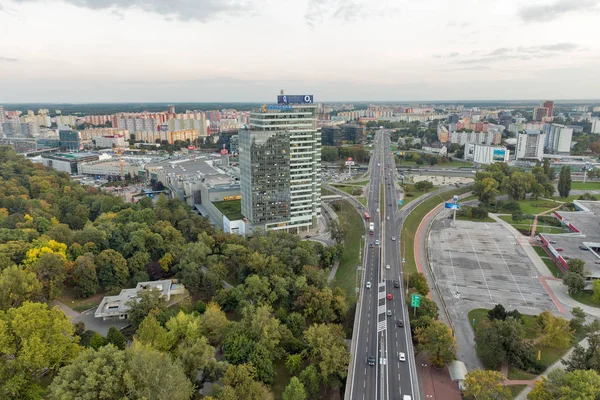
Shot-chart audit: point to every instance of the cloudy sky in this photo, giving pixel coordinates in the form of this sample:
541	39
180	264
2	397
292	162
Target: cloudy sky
246	50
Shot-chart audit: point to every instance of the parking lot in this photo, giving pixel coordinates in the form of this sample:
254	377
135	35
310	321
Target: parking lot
483	264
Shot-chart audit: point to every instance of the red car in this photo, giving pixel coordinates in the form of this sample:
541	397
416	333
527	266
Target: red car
559	249
389	296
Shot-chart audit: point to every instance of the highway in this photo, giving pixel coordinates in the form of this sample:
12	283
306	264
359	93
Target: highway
379	335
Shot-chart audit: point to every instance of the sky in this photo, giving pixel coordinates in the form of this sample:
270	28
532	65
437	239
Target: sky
337	50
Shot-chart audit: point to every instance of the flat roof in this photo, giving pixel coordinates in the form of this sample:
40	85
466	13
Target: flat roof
585	234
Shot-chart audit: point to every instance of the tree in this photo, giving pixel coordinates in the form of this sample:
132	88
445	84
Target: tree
585	358
51	271
35	341
327	349
97	341
563	385
195	354
293	362
490	346
147	301
486	190
116	338
486	385
200	307
518	184
437	340
419	283
596	291
576	265
294	390
214	324
18	286
112	269
151	334
498	312
84	276
338	229
93	375
555	331
154	375
564	181
310	379
574	281
240	383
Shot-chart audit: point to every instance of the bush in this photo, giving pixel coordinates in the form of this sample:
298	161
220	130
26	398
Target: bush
479	213
549	220
518	216
509	206
200	307
423	186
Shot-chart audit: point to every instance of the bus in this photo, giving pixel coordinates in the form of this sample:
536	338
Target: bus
367	216
371	228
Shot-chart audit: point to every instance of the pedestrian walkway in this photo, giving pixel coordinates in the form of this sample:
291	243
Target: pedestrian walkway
436	382
534	226
513	382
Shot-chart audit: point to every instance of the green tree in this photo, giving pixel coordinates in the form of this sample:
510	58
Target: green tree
574	281
293	363
327	349
51	271
151	334
486	190
93	375
97	341
490	344
18	286
338	229
563	385
437	340
116	338
84	276
240	383
486	385
311	381
554	331
112	270
34	341
518	184
585	358
498	312
419	283
564	181
294	390
577	266
146	302
195	354
596	291
214	324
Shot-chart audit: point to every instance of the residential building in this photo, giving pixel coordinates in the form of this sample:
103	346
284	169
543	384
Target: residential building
530	145
487	138
558	140
485	154
549	105
436	148
280	164
69	139
540	113
596	126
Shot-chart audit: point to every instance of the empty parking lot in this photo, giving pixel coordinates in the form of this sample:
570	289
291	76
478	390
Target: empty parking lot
483	264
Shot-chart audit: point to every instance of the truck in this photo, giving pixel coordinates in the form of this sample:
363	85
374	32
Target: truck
371	228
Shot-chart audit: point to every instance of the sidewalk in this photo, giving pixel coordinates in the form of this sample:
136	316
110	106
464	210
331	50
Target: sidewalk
436	382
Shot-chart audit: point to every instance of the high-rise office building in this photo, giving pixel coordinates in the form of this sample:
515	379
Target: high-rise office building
280	165
539	113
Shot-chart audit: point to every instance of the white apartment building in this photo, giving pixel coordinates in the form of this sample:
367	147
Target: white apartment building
558	139
486	138
530	145
596	126
481	154
280	164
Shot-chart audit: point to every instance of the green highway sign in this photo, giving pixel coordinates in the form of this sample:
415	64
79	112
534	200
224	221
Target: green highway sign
416	300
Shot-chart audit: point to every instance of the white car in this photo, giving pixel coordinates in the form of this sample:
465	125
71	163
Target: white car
387	266
388	218
368	285
401	356
377	210
394	238
377	243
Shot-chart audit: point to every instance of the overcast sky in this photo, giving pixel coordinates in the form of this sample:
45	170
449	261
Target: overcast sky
246	50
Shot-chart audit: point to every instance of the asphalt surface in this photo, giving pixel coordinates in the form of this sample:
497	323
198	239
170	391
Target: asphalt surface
377	334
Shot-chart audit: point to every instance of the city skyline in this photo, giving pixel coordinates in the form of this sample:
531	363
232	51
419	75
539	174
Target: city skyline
73	51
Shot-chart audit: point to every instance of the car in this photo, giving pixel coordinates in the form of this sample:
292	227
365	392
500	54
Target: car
377	209
389	313
387	266
393	238
390	204
371	360
584	248
559	249
388	218
400	323
371	245
368	285
377	242
401	356
389	296
396	284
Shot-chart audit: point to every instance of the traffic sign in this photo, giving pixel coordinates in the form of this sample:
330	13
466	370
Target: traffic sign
400	202
415	300
452	206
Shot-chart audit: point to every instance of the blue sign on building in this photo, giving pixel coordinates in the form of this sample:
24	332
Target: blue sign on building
282	108
295	99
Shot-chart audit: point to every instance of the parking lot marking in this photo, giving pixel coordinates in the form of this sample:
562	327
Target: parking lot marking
480	267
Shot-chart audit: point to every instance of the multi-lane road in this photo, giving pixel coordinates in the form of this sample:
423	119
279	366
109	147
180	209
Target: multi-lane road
378	332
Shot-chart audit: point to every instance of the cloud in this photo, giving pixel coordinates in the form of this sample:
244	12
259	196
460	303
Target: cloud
550	11
522	53
8	59
449	55
318	11
185	10
471	68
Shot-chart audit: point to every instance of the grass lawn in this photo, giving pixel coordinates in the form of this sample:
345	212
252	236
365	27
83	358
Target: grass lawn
516	374
537	206
357	183
411	223
548	261
585	298
516	389
528	223
80	305
585	186
346	188
466	218
381	198
232	209
363	200
345	277
326	192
